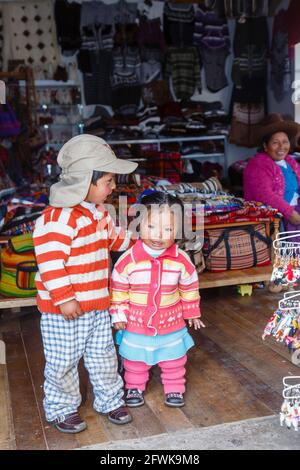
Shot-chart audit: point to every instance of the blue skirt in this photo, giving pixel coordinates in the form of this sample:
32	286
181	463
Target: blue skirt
154	349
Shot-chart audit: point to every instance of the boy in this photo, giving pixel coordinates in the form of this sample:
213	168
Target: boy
72	241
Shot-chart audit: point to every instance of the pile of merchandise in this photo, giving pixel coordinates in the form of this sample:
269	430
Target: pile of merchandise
290	409
286	268
284	325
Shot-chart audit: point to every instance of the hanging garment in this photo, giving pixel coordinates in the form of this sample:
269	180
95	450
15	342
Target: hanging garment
152	10
246	8
211	35
30	35
9	125
125	80
95	62
179	24
214	61
246	123
211	27
250	65
281	73
67	18
183	66
96	81
1	40
150	37
293	23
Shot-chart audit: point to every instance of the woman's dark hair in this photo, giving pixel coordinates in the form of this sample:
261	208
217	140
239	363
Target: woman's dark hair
266	139
97	175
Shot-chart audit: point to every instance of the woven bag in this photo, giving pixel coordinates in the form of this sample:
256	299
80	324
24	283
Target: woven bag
18	268
236	248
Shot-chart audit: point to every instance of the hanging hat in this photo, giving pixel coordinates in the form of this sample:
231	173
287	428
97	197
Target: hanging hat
78	158
277	123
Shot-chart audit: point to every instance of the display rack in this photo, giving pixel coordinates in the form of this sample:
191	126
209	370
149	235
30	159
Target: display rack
195	156
54	98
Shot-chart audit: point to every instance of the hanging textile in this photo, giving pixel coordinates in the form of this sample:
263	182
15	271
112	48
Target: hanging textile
30	35
1	39
125	80
179	24
281	73
249	75
182	64
67	18
212	38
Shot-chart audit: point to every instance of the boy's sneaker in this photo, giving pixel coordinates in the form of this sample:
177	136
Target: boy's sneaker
70	423
134	398
119	416
174	399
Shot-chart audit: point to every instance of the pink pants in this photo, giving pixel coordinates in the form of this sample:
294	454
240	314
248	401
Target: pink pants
172	374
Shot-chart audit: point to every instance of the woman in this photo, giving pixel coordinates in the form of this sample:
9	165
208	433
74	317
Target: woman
273	176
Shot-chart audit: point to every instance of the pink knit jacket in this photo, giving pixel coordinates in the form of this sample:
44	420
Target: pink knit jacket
264	182
155	295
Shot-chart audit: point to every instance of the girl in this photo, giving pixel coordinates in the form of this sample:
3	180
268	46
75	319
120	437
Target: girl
154	289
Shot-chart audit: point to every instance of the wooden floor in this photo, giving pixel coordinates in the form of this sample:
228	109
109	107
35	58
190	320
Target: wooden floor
232	375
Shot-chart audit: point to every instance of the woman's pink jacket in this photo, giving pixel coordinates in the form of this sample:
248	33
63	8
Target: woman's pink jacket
264	182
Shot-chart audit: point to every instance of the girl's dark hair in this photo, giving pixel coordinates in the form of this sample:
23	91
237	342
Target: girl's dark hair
160	198
97	175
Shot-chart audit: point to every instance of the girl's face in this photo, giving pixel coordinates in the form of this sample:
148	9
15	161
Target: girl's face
158	228
100	191
278	146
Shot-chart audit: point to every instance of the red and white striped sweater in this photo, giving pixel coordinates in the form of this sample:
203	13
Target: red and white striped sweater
72	249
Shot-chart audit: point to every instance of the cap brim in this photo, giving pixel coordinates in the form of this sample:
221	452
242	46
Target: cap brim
120	167
70	191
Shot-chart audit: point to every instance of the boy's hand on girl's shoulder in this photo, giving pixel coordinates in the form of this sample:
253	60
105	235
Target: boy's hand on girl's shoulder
71	310
196	323
120	325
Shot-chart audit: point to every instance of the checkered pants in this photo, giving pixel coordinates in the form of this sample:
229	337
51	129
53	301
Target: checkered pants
65	343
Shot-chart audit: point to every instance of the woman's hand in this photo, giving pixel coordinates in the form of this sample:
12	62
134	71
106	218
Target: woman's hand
71	310
295	218
196	323
120	325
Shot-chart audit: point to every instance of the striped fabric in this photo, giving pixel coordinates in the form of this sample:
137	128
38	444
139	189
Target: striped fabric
183	65
155	295
72	251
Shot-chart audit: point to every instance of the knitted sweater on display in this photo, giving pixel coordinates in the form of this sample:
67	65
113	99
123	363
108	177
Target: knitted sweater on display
155	295
264	182
184	66
72	250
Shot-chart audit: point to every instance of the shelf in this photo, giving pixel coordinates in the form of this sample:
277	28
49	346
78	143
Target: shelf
51	83
55	106
208	280
50	125
15	302
161	140
201	155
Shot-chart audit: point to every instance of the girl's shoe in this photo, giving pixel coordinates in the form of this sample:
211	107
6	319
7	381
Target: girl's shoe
174	399
119	416
134	398
71	423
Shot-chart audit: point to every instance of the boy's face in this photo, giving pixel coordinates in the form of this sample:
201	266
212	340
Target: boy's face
100	191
